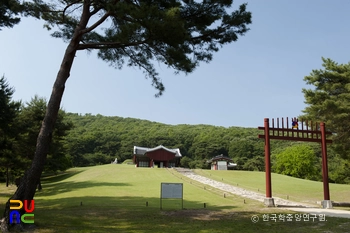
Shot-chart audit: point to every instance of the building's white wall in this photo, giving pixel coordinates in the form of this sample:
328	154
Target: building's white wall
222	165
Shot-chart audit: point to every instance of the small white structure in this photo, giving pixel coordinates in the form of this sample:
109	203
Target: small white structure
221	162
115	161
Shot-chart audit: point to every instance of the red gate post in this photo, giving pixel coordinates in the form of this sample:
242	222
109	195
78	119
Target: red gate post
326	203
268	200
308	135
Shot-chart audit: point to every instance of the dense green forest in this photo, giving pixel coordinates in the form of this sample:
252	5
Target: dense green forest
97	139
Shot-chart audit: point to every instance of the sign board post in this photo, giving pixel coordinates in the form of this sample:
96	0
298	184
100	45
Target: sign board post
171	191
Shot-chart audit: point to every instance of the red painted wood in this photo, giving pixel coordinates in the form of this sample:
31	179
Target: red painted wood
295	138
324	163
295	130
267	159
314	134
160	155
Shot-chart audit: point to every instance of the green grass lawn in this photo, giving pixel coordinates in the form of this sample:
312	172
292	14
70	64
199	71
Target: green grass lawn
282	186
122	198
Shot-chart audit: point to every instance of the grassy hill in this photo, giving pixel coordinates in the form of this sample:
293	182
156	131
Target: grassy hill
122	198
282	186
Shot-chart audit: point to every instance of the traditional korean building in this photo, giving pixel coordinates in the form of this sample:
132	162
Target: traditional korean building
221	162
159	156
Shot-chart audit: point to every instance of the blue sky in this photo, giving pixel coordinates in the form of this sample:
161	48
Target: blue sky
260	75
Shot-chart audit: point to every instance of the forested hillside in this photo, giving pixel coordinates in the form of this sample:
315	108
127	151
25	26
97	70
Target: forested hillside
90	140
99	139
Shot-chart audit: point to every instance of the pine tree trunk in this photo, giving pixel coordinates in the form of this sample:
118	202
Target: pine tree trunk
39	186
7	176
31	178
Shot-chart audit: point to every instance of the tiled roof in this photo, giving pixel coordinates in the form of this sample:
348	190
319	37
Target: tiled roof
220	157
138	150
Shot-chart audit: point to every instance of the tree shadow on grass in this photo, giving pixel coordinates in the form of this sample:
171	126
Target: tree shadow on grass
132	214
50	189
59	177
123	214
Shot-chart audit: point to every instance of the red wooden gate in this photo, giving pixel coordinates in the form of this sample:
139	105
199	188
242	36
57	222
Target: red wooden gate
309	132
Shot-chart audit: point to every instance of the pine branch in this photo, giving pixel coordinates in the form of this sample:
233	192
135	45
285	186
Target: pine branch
66	8
96	24
107	45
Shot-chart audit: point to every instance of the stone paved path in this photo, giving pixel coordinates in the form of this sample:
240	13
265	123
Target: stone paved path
236	190
307	208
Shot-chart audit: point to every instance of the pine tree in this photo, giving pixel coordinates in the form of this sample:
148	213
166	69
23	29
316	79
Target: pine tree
329	101
8	113
137	33
9	11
